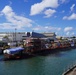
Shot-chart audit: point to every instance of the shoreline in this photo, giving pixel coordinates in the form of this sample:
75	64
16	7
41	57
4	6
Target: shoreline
69	70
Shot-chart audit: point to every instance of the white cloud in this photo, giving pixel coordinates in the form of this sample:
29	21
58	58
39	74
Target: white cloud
71	17
25	0
63	1
1	13
67	33
58	29
70	33
63	11
39	7
7	26
10	3
55	16
46	28
49	13
65	17
73	33
15	20
67	29
72	7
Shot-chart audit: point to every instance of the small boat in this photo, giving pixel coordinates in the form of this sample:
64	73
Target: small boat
13	52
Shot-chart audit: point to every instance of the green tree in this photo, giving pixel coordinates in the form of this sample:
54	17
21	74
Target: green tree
6	38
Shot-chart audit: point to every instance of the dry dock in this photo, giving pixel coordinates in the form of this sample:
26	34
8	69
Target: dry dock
70	71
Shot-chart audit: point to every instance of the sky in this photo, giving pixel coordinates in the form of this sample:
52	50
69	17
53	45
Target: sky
57	16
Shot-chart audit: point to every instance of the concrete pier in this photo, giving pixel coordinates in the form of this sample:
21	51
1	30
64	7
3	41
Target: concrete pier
73	72
70	71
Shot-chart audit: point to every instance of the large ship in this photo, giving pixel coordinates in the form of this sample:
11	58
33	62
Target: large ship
37	46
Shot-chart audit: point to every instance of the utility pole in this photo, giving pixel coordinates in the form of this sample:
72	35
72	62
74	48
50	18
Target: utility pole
15	34
15	37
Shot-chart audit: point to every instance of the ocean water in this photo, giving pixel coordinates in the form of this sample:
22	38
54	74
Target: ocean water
51	64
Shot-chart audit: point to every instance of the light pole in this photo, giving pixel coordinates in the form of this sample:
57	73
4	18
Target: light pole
15	34
15	37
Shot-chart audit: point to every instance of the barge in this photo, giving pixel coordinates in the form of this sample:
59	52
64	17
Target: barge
35	46
41	45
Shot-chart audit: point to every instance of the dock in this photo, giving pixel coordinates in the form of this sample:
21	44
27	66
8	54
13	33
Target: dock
70	71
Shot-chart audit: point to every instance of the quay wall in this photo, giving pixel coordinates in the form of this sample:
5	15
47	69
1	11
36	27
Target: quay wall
69	70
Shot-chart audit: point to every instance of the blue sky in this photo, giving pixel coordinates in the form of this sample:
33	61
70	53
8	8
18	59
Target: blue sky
57	16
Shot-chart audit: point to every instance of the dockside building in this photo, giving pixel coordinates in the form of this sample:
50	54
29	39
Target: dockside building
19	36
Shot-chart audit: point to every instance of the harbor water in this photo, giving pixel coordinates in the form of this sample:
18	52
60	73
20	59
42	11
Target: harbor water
51	64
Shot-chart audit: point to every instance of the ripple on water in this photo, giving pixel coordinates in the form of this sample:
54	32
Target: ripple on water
52	64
